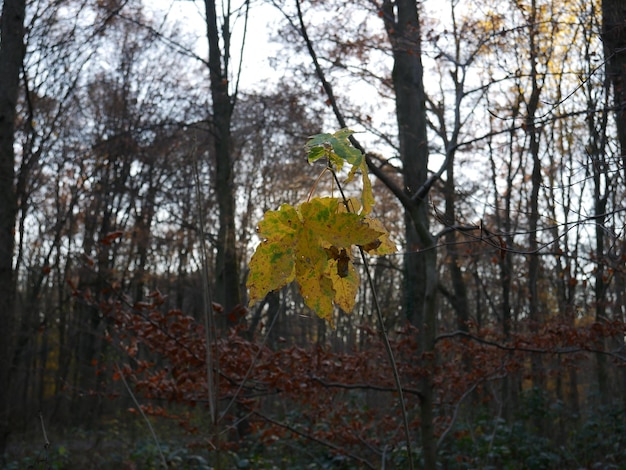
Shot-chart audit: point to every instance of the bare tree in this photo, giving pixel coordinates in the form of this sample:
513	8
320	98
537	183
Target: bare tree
12	52
228	292
614	39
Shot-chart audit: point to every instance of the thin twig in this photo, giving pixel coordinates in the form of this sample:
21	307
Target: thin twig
517	348
365	386
145	418
455	414
392	360
384	335
207	301
404	199
46	442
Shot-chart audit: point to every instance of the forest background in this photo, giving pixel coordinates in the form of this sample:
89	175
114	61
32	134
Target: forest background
136	164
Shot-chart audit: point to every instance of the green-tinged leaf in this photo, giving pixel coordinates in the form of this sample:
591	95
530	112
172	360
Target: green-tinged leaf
272	266
319	146
315	287
343	134
338	144
318	296
344	149
281	224
316	153
338	148
345	284
318	140
310	256
351	174
337	227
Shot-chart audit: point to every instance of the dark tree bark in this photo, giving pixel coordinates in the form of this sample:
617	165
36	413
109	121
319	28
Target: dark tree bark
11	59
227	292
614	37
534	136
420	261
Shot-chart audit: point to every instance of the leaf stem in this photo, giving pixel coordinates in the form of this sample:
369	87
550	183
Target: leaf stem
385	336
317	180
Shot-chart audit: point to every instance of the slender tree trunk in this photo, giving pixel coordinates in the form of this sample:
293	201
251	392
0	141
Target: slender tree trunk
459	289
533	131
11	59
420	261
614	39
600	173
504	224
459	299
227	292
144	225
599	167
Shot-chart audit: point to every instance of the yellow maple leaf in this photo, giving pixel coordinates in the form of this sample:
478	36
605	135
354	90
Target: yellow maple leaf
312	244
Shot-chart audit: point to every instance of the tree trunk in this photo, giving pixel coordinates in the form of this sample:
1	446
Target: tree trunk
614	38
227	292
600	201
11	58
534	310
599	170
420	260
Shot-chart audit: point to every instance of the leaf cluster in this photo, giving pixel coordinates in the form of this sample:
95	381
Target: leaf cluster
337	149
313	243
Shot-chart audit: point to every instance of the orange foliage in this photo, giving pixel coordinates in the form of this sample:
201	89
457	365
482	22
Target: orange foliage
344	400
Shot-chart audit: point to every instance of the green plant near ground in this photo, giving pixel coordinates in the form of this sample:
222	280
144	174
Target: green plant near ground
601	440
598	442
54	458
113	446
